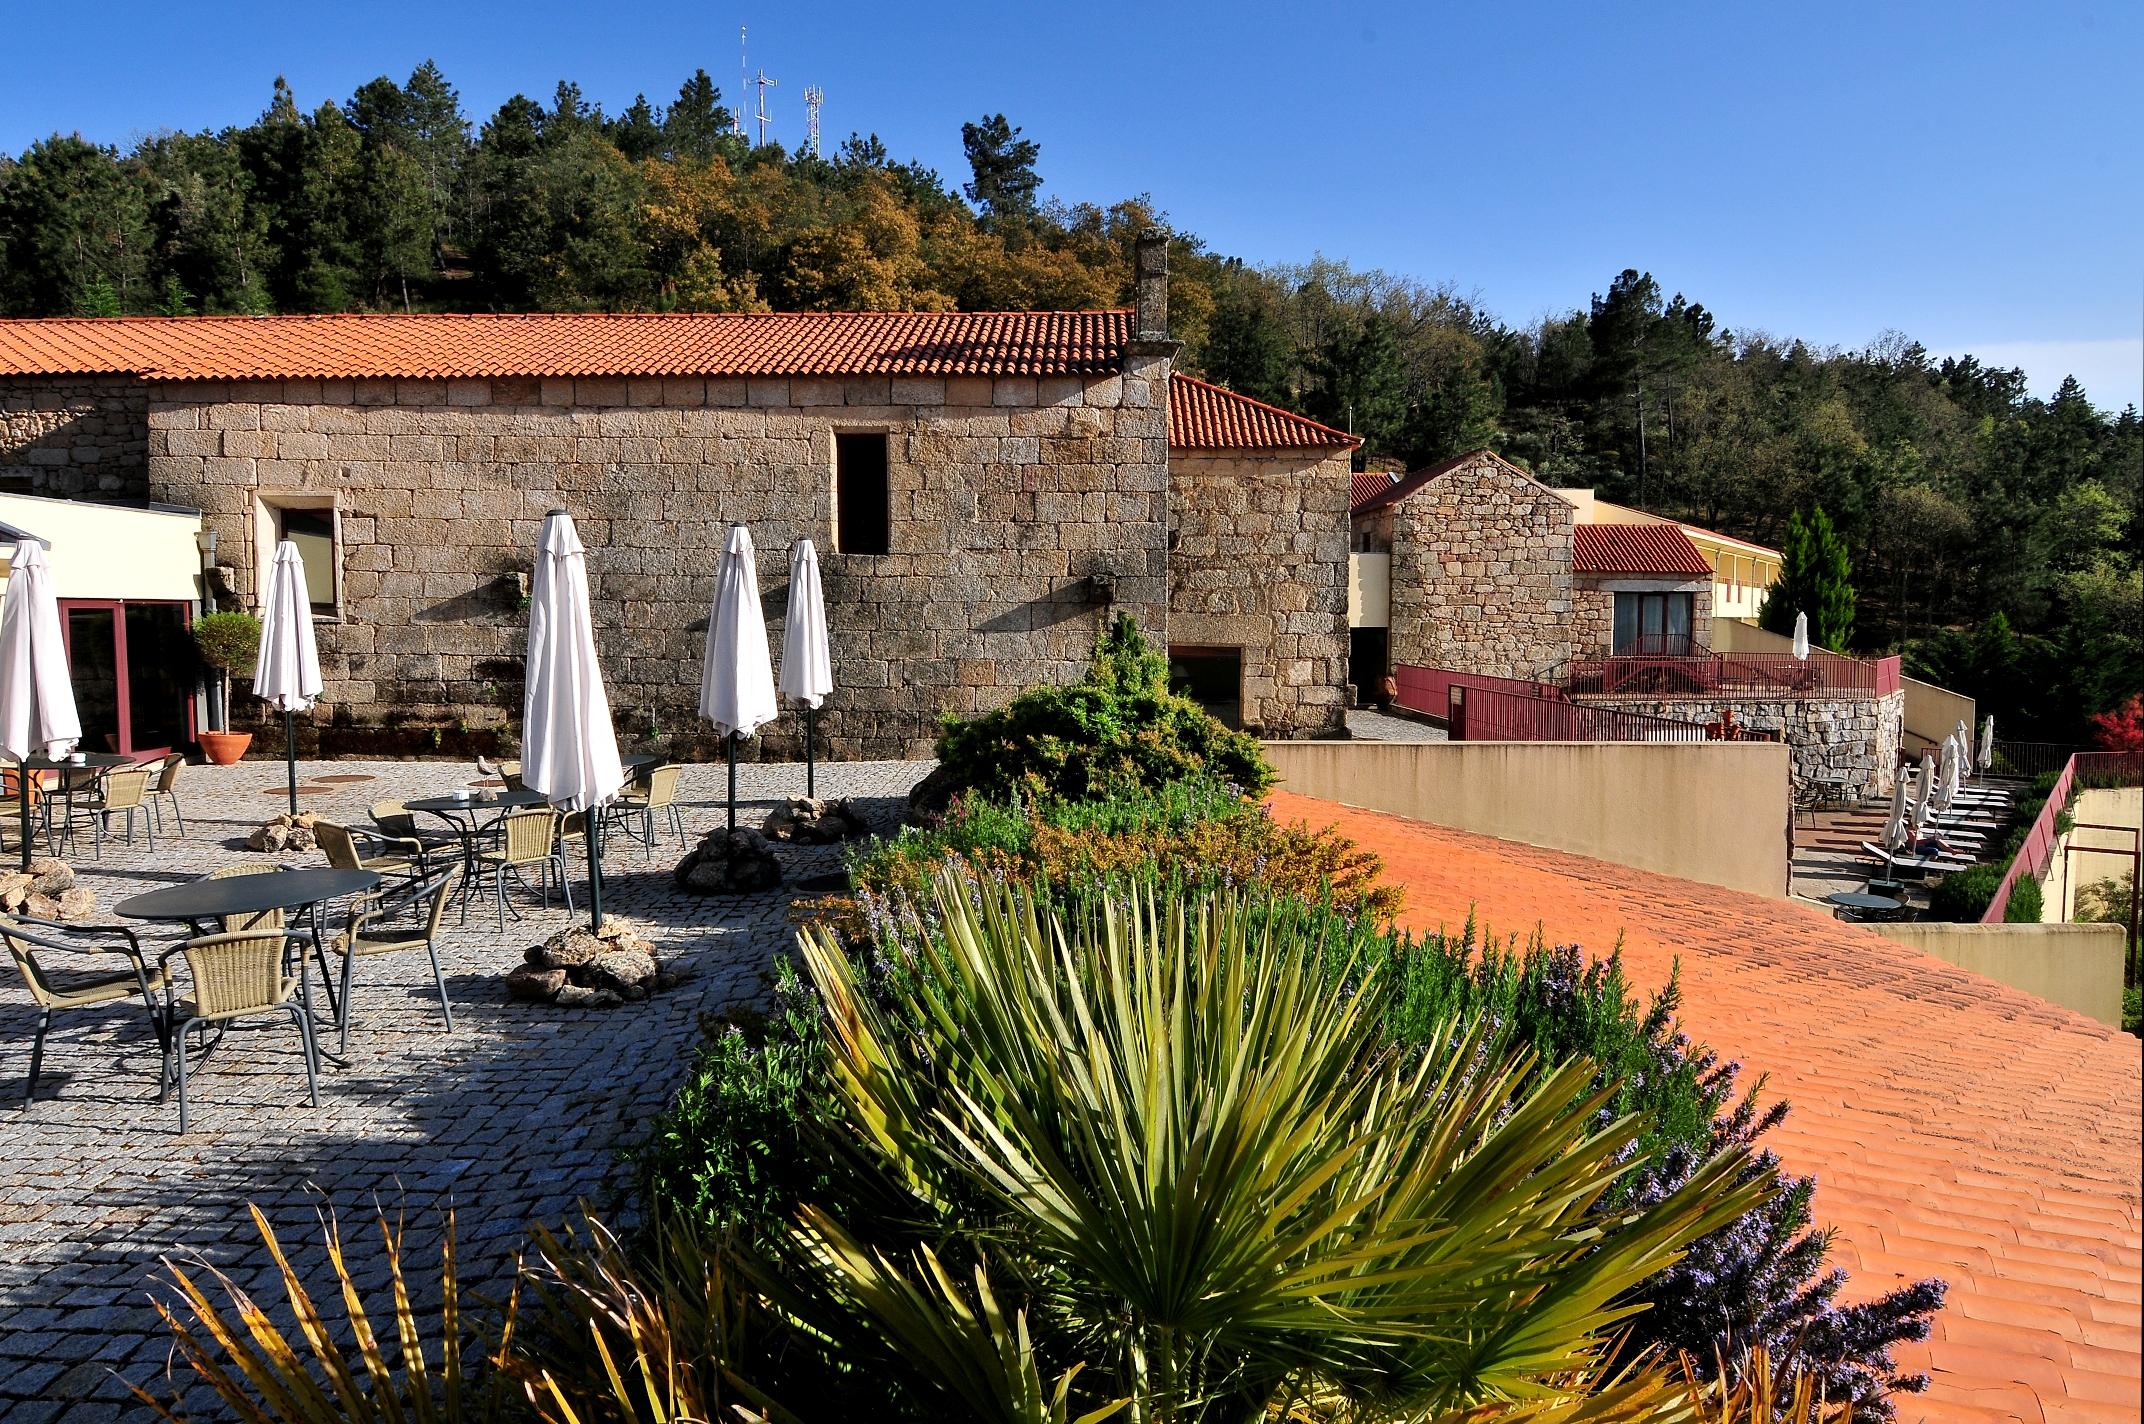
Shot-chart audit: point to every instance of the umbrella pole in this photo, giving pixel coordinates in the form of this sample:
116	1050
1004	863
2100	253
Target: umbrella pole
731	742
22	797
595	867
290	759
811	766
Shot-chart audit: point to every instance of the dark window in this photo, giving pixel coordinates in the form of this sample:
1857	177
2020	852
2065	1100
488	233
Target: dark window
1211	677
313	531
1653	624
862	502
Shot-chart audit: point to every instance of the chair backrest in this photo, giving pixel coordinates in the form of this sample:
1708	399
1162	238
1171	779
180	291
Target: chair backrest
510	773
258	919
237	971
167	777
529	834
24	952
662	785
441	889
394	818
126	789
337	844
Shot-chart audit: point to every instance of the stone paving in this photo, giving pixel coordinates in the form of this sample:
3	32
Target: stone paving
510	1118
1366	724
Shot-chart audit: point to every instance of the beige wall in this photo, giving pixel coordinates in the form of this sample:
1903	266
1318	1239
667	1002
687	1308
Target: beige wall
1258	561
1709	811
109	551
2076	966
2089	852
1933	713
1369	590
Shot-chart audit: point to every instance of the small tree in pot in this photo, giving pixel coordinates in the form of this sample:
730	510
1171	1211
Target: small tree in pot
229	643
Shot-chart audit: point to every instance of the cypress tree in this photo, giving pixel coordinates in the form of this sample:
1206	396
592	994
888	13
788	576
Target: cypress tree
1816	578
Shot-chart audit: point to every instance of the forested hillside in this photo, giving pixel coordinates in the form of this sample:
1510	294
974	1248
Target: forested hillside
1994	536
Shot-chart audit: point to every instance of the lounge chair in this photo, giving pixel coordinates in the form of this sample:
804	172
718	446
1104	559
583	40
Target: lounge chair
1906	862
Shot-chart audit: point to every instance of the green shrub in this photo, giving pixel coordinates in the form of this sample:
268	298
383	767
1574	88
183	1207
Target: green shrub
1963	896
229	642
2024	905
1118	729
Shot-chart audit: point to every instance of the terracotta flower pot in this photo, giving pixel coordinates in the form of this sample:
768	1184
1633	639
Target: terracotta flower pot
225	748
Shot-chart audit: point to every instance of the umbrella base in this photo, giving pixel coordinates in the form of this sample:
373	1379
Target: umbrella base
729	863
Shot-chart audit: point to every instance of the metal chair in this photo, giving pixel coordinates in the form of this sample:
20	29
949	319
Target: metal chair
347	848
527	837
55	989
235	977
124	790
167	789
259	919
655	791
357	941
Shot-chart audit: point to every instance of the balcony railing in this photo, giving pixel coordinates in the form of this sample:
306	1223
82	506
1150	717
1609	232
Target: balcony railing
2100	768
1428	690
1492	715
1766	675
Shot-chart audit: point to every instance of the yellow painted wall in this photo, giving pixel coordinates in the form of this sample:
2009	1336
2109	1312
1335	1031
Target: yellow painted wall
105	551
1709	811
2090	853
2076	966
1369	590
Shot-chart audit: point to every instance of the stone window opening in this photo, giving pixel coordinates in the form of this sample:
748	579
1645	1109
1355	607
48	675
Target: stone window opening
314	523
863	496
1211	677
1654	624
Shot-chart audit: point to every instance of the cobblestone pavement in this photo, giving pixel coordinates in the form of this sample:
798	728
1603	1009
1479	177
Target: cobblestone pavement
510	1118
1369	725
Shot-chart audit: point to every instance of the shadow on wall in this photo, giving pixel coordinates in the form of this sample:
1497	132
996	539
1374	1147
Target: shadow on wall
74	439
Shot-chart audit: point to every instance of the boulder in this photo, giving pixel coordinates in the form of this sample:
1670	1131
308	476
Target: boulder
54	880
808	822
573	996
534	984
568	949
729	863
14	889
284	832
78	903
42	907
622	970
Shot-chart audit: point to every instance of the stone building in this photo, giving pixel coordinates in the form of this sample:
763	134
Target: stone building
984	490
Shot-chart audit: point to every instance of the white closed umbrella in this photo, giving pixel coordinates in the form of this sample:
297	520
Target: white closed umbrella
1924	791
1894	826
569	749
287	673
1801	636
807	663
1947	776
737	675
1987	741
1964	733
37	711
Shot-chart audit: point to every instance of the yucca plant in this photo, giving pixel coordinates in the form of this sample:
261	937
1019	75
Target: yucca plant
1756	1390
1170	1133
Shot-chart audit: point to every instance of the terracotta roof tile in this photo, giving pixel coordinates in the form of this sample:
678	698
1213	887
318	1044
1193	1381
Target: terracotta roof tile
1634	549
1203	416
1374	483
431	347
1956	1127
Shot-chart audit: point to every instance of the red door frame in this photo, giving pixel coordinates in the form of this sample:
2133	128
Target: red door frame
122	678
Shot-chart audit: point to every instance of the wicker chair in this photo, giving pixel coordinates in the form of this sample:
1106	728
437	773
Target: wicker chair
347	848
526	837
259	919
125	790
362	937
167	789
653	792
57	989
508	772
12	781
246	975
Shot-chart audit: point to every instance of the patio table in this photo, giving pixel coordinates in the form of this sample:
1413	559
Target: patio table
462	814
199	901
99	762
1860	901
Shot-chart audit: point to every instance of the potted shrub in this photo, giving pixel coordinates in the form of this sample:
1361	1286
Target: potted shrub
229	643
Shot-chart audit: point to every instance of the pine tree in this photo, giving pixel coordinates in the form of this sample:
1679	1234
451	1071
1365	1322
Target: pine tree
1004	167
1816	578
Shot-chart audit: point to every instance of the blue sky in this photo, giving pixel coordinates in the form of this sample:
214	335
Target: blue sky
1968	174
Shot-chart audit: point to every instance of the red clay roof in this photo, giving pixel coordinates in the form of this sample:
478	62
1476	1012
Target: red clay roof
1204	416
1376	482
1634	549
1408	484
1956	1127
431	347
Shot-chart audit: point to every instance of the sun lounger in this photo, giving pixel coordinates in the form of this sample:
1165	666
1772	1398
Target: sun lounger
1905	863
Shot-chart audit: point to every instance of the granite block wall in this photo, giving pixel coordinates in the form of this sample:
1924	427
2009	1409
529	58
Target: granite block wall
1024	512
74	437
1850	741
1258	561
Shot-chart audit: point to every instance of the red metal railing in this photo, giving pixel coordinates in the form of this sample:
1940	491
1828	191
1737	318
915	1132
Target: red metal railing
1428	690
1491	715
1779	675
2124	768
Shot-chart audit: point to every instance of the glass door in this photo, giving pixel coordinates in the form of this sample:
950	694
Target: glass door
133	681
97	669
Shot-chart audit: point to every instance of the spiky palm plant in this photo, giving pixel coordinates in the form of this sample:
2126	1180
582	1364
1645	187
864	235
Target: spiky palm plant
1168	1135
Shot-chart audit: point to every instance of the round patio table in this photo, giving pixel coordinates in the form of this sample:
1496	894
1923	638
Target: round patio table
91	761
460	814
1856	900
202	900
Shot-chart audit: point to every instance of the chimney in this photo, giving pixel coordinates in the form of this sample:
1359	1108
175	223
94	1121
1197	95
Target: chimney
1150	289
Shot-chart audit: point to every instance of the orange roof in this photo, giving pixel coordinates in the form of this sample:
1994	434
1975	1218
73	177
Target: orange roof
1956	1127
1204	416
1375	482
435	346
1634	549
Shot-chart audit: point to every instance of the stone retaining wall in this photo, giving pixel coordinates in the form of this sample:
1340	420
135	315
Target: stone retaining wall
74	437
1849	740
1258	561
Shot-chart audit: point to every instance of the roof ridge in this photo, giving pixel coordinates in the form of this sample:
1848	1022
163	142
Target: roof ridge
219	318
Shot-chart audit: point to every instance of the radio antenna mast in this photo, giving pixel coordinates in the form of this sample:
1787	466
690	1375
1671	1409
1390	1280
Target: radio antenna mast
814	96
744	73
764	117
